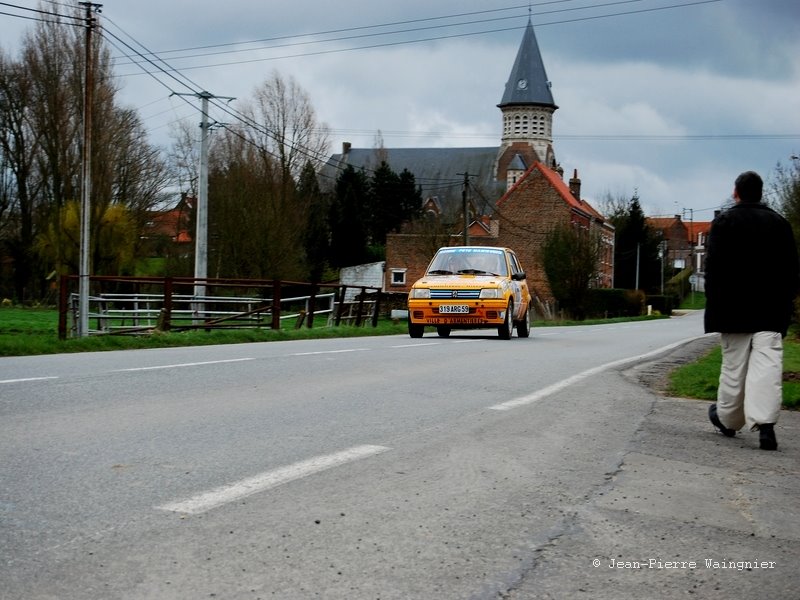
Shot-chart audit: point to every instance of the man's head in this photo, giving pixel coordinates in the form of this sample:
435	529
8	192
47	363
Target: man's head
748	187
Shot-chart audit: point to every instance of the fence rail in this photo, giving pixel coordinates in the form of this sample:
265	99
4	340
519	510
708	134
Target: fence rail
150	304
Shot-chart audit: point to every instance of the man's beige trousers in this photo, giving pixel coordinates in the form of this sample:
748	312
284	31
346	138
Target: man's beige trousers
750	382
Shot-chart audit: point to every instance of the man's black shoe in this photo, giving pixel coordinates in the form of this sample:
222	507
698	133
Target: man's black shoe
712	416
766	436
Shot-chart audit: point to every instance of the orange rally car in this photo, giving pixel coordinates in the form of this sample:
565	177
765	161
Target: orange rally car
471	287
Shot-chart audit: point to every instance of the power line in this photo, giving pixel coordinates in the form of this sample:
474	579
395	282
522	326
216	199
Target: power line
377	34
455	35
46	15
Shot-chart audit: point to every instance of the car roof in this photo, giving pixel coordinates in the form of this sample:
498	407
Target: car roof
473	248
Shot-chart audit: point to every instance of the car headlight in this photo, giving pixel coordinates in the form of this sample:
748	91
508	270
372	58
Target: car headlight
490	293
420	293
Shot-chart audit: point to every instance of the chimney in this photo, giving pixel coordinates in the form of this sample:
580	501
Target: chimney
575	186
346	148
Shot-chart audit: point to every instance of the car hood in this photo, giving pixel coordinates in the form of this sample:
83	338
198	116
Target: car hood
461	281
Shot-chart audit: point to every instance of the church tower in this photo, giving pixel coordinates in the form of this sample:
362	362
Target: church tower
527	107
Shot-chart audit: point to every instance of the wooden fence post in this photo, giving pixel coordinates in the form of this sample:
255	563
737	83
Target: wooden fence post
359	313
312	305
340	295
63	308
276	304
377	308
167	324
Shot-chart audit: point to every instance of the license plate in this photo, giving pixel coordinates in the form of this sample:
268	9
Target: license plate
457	309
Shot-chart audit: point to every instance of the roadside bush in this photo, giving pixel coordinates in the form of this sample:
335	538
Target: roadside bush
680	286
606	303
664	304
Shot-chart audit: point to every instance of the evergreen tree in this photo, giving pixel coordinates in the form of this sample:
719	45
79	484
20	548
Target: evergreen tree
315	241
349	219
636	243
570	257
394	199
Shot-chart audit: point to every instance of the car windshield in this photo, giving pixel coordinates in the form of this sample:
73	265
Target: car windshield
468	261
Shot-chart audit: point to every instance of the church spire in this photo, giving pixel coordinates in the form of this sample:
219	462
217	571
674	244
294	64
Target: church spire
528	107
528	83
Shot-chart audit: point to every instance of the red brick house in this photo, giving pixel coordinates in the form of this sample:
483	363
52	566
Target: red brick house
523	217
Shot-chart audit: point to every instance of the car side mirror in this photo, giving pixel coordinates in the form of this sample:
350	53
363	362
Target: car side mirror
518	276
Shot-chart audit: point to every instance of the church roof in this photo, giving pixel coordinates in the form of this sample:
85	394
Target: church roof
438	171
528	83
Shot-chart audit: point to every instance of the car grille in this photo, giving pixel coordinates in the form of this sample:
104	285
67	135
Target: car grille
455	294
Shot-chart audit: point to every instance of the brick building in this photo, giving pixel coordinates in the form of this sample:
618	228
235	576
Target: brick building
515	193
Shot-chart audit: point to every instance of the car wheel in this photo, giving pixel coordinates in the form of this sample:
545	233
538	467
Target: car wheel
524	325
415	330
443	331
505	330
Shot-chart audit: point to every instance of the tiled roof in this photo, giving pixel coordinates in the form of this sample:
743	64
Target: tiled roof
697	227
555	180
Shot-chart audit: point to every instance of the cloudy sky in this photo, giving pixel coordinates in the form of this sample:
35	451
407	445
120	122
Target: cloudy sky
668	98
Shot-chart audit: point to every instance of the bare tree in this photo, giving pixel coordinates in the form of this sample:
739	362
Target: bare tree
184	156
19	145
41	114
284	125
254	170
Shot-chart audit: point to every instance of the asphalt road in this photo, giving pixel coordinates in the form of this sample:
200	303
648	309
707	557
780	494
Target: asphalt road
378	467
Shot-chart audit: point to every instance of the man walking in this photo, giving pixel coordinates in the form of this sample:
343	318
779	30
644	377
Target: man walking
752	278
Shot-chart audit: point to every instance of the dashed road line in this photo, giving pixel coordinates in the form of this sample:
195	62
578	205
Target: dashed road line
26	379
181	365
270	479
329	352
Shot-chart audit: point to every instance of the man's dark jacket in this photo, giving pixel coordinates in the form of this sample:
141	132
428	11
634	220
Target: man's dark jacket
752	272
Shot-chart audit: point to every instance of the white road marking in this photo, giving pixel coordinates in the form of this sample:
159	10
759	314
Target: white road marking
179	365
417	345
26	379
564	383
329	352
259	483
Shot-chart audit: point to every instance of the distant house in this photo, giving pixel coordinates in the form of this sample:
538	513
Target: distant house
170	227
514	194
675	237
684	244
698	237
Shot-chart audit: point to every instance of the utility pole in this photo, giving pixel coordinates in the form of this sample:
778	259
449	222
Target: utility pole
693	276
691	234
464	207
201	209
86	175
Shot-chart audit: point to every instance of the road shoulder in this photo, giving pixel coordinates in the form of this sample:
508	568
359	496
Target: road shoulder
688	512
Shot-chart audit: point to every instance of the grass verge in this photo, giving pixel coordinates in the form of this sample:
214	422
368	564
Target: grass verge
26	331
700	378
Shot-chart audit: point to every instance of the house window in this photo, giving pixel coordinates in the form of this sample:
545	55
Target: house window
399	276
